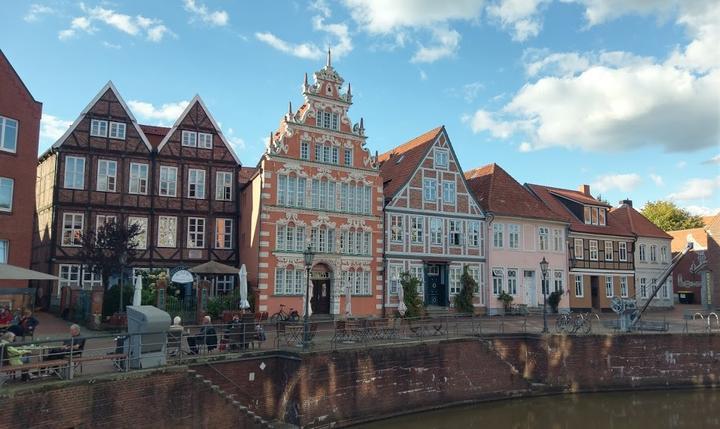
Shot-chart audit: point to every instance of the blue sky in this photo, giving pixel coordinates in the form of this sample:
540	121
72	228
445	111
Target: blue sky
621	94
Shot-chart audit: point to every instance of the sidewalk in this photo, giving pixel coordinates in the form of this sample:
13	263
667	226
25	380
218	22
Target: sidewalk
53	327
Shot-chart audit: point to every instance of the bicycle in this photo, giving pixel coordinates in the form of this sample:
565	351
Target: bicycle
285	316
572	323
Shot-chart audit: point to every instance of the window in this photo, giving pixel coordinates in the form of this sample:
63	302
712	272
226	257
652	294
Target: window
454	232
141	238
513	236
497	274
394	279
543	238
608	250
622	251
196	233
666	287
595	215
6	194
290	238
430	190
623	287
8	134
106	175
643	287
557	240
642	249
74	172
587	215
117	130
417	272
205	140
348	157
318	118
441	158
72	229
335	156
335	121
475	274
223	186
4	251
601	219
498	230
102	220
138	178
473	233
545	285
322	239
455	285
558	281
196	183
512	275
593	250
69	276
167	231
653	253
168	181
436	231
98	128
608	286
417	233
318	152
189	138
304	149
653	285
579	248
359	282
396	228
91	280
579	292
663	254
223	233
289	281
327	118
224	284
449	192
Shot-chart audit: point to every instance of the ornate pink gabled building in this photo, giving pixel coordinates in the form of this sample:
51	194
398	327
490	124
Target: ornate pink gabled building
316	185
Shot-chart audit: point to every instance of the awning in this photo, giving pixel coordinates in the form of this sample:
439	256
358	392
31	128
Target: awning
11	272
214	267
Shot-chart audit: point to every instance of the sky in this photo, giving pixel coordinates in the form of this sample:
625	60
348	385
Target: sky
623	95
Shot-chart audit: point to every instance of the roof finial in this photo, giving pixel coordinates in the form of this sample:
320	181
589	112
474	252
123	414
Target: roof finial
349	89
290	108
305	82
271	139
329	58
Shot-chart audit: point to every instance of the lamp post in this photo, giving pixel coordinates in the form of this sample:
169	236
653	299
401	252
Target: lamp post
544	270
308	255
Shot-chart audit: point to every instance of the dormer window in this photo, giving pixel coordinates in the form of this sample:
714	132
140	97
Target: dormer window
594	215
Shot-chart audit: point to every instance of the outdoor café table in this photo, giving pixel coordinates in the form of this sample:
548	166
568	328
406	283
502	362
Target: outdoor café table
38	353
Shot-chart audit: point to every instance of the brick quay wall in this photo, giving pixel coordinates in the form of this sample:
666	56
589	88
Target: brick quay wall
349	386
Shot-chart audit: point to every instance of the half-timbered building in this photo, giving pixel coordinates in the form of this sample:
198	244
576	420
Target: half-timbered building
176	183
316	185
434	228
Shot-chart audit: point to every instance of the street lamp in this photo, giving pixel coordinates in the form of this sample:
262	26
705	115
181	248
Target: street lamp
544	269
308	255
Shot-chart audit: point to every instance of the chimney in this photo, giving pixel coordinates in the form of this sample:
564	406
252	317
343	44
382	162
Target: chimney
585	189
626	202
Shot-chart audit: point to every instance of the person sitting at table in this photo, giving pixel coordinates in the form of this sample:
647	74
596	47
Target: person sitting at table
6	316
174	340
26	325
15	356
207	336
233	333
75	343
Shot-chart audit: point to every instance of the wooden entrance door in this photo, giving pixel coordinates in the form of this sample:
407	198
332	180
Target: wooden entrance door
321	279
594	291
435	285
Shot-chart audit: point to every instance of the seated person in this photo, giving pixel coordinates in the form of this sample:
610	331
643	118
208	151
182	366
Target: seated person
6	316
207	336
75	343
174	341
26	325
12	355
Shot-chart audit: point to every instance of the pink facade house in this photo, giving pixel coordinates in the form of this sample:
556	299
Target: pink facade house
521	231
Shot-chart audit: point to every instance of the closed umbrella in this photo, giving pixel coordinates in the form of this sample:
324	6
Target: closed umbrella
137	296
402	308
309	306
348	298
244	304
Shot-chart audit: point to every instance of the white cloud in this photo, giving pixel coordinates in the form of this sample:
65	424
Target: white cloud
657	179
217	18
482	120
525	147
237	143
36	11
696	189
702	210
166	113
300	50
681	164
714	160
621	182
599	11
52	127
423	75
445	43
153	29
110	45
520	16
388	16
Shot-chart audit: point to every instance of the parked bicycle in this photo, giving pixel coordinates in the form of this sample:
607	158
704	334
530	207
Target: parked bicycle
572	323
285	316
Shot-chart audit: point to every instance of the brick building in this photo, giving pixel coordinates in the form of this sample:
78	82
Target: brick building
601	257
177	183
434	228
317	185
698	287
19	132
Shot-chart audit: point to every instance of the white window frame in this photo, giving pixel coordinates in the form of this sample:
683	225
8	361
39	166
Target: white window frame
196	233
642	252
72	236
498	235
498	280
558	240
623	287
558	281
223	186
578	244
543	238
227	236
194	185
609	287
103	182
609	255
305	149
454	283
579	287
663	254
70	177
205	141
449	189
455	231
348	157
69	275
141	238
622	251
512	285
397	228
417	229
102	220
5	124
473	233
98	128
5	183
642	293
436	231
171	220
4	251
430	190
593	250
653	254
117	130
513	229
138	181
169	184
441	155
189	138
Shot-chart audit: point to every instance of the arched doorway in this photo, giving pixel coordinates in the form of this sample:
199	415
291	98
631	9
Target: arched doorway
321	277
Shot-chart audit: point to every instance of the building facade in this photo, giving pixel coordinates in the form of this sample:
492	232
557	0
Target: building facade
316	185
521	231
178	184
434	228
19	132
601	257
692	285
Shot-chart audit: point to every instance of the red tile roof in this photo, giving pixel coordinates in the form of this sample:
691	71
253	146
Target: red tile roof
397	165
639	224
577	196
498	192
615	224
154	133
245	174
707	220
680	238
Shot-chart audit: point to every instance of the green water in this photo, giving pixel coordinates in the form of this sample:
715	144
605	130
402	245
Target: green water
681	409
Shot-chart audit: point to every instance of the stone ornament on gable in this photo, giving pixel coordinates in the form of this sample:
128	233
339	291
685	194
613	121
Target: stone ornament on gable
293	167
286	261
291	217
323	220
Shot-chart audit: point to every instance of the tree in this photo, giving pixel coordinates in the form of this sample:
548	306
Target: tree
109	249
669	217
413	302
464	300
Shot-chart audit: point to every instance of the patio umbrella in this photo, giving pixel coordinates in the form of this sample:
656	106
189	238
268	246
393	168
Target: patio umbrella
309	306
402	308
137	296
11	272
244	304
348	298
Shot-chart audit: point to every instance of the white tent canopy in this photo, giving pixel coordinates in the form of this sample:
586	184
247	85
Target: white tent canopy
11	272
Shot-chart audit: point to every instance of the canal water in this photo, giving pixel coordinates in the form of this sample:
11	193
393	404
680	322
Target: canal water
677	409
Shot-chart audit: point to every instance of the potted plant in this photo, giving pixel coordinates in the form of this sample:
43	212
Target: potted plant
506	299
554	300
464	300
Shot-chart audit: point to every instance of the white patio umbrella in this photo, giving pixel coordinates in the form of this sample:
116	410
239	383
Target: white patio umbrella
402	308
244	304
309	305
348	298
137	296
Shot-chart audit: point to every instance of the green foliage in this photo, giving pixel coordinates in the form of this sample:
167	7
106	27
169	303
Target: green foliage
220	303
669	217
111	299
506	299
464	300
110	248
554	300
414	303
